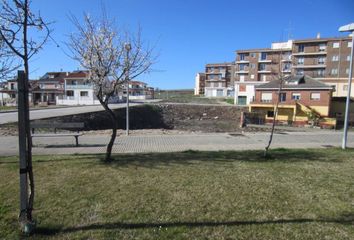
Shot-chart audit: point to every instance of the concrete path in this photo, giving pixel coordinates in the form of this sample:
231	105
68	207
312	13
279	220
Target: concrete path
178	142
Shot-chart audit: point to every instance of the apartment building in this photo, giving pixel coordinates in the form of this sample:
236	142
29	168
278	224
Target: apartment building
325	59
219	81
258	66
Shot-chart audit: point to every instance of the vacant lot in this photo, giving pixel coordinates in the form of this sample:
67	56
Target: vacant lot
294	194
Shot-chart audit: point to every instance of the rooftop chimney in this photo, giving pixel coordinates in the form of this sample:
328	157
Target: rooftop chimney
318	35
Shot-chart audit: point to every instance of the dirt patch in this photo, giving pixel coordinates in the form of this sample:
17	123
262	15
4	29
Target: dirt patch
176	117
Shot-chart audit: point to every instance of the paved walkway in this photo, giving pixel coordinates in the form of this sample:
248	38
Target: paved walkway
178	142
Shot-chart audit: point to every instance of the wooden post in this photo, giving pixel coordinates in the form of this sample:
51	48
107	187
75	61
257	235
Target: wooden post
22	140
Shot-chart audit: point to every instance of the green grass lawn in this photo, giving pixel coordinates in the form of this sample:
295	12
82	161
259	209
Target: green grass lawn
176	97
294	194
4	108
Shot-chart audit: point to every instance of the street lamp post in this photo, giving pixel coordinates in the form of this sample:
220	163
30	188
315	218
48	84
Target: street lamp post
348	28
127	47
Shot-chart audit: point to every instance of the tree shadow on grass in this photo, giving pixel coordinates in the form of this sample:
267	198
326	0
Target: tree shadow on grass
150	160
219	157
344	219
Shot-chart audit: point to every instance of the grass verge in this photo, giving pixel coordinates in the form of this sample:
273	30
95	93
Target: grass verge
294	194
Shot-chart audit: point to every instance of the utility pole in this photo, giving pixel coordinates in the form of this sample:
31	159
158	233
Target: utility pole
127	47
348	28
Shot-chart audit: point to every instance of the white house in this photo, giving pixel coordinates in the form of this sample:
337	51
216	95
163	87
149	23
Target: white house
77	90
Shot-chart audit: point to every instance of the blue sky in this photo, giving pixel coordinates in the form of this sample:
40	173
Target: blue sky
189	34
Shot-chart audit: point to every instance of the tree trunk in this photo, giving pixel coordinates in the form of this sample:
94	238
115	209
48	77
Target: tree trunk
27	123
113	137
114	129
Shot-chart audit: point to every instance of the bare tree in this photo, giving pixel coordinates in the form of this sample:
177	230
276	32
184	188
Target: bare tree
111	57
20	30
7	62
280	77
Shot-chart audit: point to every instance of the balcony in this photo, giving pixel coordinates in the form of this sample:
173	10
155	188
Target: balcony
264	71
80	86
264	60
242	61
310	53
242	72
310	66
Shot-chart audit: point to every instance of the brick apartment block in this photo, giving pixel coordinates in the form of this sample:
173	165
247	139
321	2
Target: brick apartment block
324	59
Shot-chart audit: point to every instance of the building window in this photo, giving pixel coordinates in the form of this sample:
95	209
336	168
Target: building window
253	55
264	77
300	60
320	72
270	113
242	78
296	96
334	71
335	58
242	57
348	58
301	48
219	92
350	44
253	66
252	76
300	71
70	93
323	47
345	87
336	45
321	60
282	97
315	96
266	97
263	56
286	66
286	56
84	94
242	67
347	71
262	67
211	69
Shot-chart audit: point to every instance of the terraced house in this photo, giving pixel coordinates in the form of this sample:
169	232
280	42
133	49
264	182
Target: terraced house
301	100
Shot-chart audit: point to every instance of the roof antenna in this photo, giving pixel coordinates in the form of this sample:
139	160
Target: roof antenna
289	29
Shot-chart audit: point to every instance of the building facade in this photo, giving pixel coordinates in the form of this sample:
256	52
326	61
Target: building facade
300	98
258	66
77	90
219	81
48	88
199	84
137	91
324	59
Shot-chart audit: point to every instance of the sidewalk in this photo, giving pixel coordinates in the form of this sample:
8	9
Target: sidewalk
177	142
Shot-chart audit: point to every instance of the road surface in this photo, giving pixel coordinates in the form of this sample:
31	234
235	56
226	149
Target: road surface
9	117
